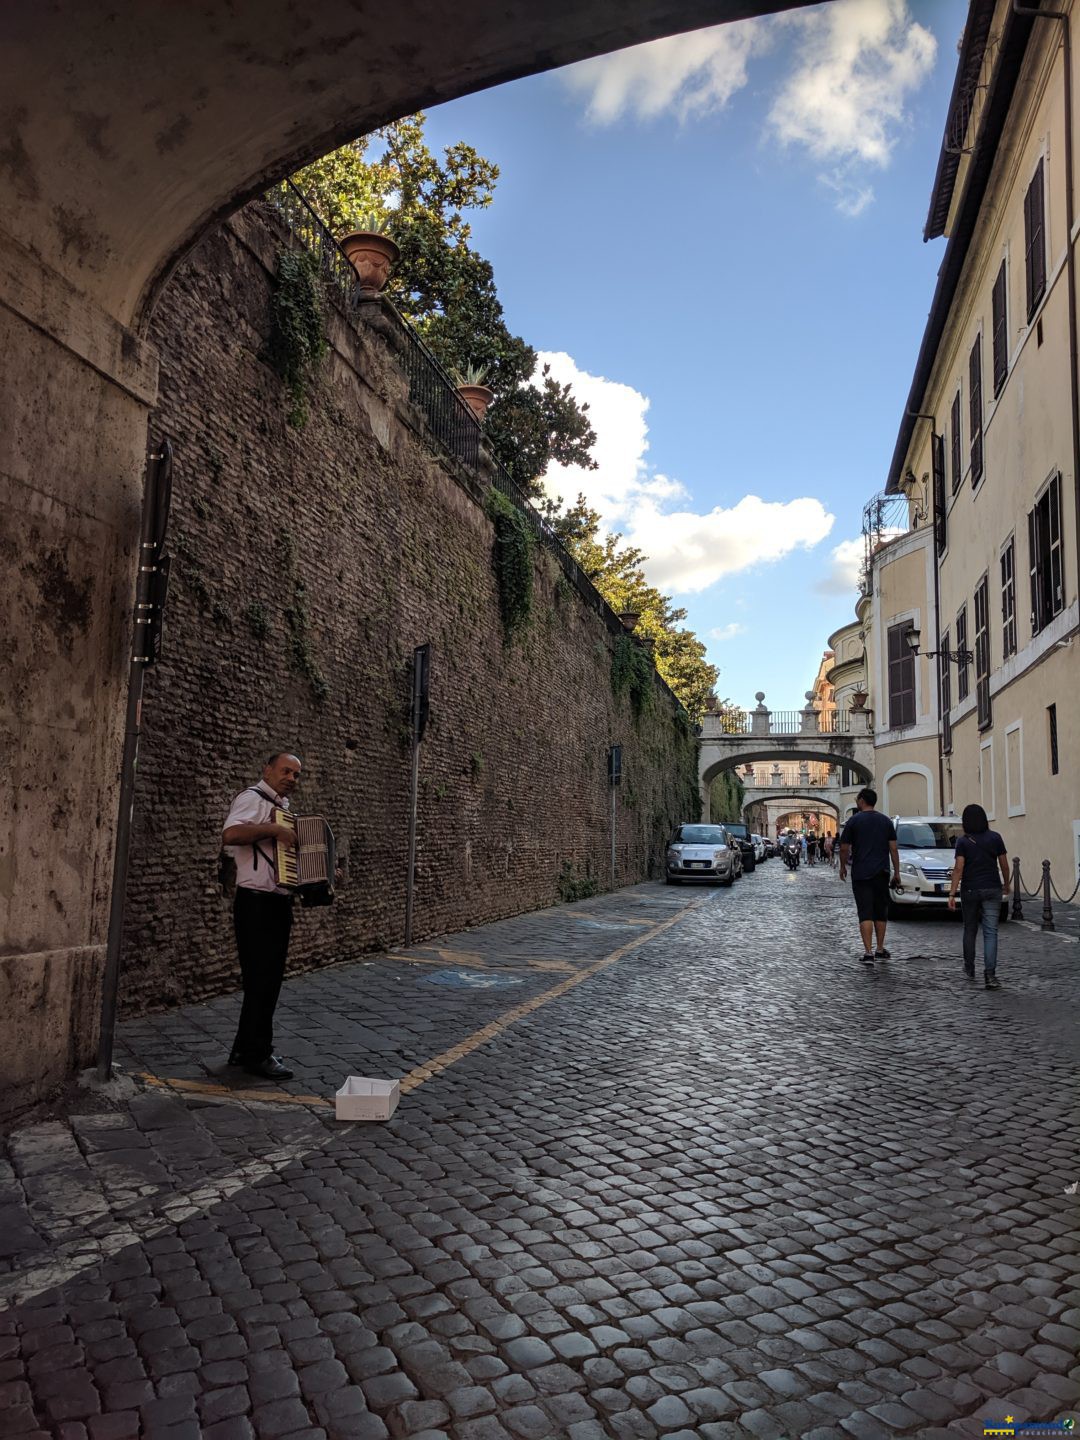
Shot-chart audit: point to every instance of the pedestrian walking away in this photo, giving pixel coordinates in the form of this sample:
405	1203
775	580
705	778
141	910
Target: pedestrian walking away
868	841
262	911
981	874
811	849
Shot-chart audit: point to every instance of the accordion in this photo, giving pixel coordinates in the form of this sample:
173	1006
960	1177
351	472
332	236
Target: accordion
309	868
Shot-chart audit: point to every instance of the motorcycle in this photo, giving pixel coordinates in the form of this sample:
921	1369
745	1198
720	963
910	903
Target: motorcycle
792	856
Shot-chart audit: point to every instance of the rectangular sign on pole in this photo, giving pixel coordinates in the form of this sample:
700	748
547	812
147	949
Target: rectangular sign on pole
421	690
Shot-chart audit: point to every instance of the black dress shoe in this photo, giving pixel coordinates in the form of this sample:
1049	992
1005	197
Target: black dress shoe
270	1069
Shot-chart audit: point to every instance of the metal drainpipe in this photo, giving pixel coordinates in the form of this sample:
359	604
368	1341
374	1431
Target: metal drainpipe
1070	261
920	415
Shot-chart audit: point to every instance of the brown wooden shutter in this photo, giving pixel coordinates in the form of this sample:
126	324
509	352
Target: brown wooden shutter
975	410
1035	241
1001	334
955	443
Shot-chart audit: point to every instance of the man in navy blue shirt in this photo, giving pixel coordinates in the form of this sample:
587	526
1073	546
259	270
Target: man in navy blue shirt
868	840
981	874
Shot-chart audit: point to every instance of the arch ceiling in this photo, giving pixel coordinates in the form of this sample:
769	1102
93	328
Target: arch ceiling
797	799
125	131
729	762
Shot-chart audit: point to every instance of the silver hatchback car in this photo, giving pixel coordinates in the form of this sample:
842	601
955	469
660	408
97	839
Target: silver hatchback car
698	853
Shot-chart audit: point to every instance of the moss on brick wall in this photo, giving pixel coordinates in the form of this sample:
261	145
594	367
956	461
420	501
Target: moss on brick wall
386	550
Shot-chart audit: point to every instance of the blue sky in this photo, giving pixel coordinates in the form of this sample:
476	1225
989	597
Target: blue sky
719	238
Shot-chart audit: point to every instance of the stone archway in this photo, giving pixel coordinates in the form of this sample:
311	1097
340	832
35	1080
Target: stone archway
801	802
123	143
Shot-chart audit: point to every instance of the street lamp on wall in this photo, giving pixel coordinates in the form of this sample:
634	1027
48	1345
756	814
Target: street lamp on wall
956	657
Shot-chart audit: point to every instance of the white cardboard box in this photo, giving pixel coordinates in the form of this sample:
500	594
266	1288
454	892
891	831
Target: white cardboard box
362	1098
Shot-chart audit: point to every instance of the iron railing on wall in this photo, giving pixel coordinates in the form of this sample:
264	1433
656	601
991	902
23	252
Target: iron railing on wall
451	424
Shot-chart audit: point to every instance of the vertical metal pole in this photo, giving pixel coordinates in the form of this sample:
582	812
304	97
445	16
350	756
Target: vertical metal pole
111	982
149	548
1017	902
411	877
1048	909
421	678
612	787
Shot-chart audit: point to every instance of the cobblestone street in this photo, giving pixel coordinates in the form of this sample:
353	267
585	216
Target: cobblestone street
667	1162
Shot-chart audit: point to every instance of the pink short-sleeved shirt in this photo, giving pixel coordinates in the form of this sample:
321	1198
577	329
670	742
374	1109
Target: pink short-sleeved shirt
251	807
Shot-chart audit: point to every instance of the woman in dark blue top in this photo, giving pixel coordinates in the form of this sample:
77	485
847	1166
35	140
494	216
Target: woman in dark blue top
980	856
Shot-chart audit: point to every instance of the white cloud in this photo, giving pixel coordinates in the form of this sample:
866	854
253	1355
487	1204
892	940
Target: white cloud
727	632
852	65
689	75
687	550
845	566
858	61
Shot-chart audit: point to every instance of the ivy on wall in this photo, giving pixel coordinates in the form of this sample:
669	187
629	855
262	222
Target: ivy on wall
632	670
297	338
512	558
299	623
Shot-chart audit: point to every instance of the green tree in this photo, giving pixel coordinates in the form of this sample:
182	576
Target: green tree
616	571
446	289
726	796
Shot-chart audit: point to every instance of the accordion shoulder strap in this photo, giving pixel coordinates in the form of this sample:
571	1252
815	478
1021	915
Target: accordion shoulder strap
271	801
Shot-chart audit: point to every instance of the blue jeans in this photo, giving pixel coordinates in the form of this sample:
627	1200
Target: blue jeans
981	908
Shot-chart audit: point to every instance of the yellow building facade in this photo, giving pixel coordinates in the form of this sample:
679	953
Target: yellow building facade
983	706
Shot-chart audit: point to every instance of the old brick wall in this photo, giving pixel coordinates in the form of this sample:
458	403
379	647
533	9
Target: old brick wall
331	551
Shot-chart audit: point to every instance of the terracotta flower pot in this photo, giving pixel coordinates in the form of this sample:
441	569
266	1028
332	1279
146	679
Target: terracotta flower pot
372	256
477	397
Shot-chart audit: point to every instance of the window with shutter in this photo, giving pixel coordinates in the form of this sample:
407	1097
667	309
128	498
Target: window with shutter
962	684
975	410
901	677
1035	241
955	443
982	653
999	302
1008	601
941	514
1047	557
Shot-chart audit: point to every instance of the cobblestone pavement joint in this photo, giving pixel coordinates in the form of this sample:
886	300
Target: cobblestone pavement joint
682	1168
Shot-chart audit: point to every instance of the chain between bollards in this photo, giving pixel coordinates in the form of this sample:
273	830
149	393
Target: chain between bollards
1048	909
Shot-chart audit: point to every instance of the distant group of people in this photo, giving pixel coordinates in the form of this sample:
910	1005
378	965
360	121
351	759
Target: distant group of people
814	847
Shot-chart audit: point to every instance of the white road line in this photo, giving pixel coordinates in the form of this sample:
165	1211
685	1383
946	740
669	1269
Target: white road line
91	1250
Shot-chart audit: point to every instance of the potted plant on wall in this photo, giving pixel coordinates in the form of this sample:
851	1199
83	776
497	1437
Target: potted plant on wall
471	388
859	699
371	252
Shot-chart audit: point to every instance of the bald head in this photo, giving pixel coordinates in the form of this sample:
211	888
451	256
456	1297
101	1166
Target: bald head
282	771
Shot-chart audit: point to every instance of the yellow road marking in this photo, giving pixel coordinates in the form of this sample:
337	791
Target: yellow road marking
480	1037
207	1087
450	957
430	1068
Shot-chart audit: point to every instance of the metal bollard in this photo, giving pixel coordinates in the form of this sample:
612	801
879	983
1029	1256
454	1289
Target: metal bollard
1048	909
1017	904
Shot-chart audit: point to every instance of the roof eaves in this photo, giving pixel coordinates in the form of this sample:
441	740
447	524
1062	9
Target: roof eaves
972	50
1014	41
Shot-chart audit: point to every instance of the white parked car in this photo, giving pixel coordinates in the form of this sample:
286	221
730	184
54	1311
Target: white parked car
701	852
760	852
926	844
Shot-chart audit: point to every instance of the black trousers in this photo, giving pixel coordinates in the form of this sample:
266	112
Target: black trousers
263	921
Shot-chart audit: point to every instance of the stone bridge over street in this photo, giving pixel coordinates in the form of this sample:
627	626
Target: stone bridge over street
739	737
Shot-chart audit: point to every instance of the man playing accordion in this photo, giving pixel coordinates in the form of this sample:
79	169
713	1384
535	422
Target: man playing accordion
262	911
